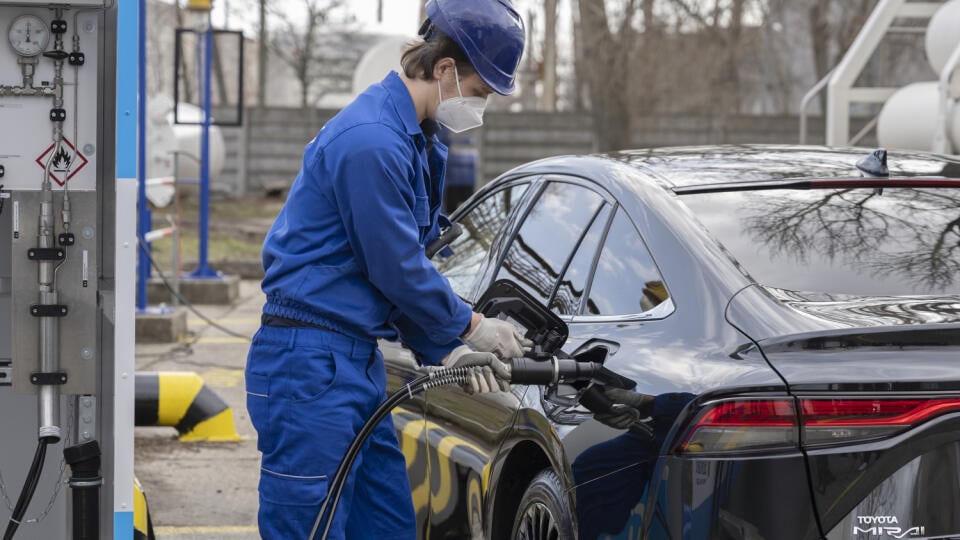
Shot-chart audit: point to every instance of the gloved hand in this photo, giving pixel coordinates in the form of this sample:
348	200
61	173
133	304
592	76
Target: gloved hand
498	337
486	372
630	410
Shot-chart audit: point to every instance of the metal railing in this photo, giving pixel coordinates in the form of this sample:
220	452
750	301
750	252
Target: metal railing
942	142
839	83
805	103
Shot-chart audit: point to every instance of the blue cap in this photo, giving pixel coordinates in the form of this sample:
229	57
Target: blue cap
490	33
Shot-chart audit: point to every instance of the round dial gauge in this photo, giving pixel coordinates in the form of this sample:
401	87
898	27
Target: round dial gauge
29	35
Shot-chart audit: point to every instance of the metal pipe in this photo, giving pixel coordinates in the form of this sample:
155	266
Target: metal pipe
85	481
48	403
143	211
865	130
49	400
203	269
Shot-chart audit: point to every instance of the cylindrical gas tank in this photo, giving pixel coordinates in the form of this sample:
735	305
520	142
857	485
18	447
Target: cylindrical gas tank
161	139
909	119
378	61
943	34
188	143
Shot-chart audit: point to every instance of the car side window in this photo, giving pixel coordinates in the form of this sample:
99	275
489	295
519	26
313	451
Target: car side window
627	280
570	290
548	236
481	225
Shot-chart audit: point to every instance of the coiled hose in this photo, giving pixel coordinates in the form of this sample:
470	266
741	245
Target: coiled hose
522	371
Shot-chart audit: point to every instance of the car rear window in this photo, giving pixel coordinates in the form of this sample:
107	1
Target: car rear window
855	241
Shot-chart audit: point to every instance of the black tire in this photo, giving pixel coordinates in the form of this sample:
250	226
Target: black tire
544	512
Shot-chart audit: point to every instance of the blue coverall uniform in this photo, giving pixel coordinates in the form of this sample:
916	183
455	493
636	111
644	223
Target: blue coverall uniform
345	266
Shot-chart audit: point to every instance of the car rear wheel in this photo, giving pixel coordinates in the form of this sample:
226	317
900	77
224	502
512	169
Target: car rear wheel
544	512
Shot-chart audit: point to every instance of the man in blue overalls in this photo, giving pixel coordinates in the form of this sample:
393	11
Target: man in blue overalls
345	266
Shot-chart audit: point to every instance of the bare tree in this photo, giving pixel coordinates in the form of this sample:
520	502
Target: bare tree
833	27
607	46
262	54
306	43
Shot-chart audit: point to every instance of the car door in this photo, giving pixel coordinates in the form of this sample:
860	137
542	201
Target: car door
483	221
466	431
579	253
614	297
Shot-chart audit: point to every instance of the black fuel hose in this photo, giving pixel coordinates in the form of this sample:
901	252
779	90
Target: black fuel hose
523	371
29	487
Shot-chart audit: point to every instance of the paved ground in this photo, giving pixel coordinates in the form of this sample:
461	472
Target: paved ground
203	491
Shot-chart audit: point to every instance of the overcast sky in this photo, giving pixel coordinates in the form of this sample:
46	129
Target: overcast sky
399	16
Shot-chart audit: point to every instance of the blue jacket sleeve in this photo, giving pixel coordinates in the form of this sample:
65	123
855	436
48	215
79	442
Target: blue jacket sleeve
382	209
424	349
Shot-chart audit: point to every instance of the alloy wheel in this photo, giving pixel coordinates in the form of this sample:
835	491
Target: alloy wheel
537	523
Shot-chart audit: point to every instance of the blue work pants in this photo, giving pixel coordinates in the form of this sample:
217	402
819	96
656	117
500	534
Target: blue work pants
309	391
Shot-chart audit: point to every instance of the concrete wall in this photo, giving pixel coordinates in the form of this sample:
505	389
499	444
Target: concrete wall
265	153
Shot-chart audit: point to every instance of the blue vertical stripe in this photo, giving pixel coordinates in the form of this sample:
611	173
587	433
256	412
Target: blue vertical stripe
123	526
127	40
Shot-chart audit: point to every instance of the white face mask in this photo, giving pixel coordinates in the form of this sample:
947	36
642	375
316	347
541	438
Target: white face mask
459	114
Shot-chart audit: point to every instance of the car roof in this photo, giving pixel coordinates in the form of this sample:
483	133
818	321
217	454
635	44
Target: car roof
685	166
700	165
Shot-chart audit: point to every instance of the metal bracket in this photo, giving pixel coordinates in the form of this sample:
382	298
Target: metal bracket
6	374
86	419
48	379
46	254
58	26
48	310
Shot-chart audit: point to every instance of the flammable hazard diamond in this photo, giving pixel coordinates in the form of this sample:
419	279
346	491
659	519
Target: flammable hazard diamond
64	164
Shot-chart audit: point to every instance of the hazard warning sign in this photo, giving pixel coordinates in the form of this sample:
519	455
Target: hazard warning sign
65	163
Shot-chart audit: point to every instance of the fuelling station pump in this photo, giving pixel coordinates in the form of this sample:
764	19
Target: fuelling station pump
67	253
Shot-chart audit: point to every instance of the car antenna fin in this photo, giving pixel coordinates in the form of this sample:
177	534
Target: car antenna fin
875	165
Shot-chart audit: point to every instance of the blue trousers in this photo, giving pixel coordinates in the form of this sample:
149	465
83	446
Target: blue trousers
309	391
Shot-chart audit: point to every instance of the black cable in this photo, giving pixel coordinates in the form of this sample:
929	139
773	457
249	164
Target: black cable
184	301
441	377
339	478
522	371
29	487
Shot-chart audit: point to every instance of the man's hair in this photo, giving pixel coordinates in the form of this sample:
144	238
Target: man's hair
422	55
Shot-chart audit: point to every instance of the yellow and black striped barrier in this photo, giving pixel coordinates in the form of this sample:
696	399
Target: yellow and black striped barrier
182	400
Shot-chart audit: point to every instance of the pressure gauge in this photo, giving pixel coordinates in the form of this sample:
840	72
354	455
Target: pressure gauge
29	35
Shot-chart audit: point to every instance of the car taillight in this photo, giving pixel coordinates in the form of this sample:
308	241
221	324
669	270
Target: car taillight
830	421
744	425
773	424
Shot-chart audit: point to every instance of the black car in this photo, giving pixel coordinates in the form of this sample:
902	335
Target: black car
792	325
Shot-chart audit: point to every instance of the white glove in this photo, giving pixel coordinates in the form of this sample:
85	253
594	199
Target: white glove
498	337
486	372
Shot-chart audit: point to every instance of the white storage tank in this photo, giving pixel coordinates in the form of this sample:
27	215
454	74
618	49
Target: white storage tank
909	119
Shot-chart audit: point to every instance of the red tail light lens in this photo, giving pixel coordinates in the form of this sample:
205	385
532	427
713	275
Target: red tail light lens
744	425
772	424
830	421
